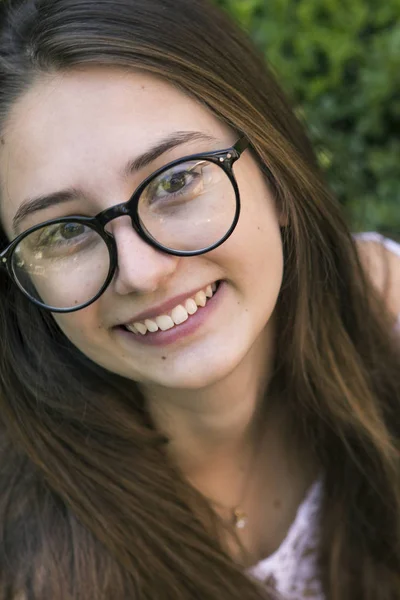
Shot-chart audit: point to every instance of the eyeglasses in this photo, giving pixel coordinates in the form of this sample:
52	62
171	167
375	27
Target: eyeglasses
187	208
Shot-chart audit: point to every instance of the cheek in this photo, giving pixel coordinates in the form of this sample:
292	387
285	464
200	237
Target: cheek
256	243
83	329
256	250
259	209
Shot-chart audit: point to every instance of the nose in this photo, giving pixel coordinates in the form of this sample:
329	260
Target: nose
142	269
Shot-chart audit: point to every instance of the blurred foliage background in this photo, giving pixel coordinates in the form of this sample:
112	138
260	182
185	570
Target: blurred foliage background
339	61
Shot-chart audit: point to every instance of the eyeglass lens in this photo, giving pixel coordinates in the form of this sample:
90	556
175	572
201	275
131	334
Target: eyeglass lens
62	265
189	207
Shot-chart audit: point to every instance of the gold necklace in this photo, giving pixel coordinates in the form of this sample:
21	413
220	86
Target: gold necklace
239	518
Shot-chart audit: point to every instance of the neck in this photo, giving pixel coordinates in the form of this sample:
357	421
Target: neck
216	442
218	422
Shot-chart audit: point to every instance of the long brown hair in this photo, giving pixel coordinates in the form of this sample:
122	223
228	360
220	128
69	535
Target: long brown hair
90	506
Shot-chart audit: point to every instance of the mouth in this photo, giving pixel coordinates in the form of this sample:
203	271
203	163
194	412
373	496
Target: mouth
173	319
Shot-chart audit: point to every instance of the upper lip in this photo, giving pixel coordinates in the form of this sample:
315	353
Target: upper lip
165	307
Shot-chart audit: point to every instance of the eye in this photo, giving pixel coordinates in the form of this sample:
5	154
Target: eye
178	183
61	232
56	240
174	183
71	230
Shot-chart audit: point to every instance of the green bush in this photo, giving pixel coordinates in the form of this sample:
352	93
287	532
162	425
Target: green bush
340	62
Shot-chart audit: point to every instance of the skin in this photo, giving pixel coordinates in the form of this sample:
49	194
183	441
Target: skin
79	130
383	267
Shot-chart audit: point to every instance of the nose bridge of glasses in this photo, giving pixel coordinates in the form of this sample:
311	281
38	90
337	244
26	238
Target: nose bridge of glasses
125	209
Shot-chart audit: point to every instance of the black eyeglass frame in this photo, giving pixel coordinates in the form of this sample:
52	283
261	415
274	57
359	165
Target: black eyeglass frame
225	159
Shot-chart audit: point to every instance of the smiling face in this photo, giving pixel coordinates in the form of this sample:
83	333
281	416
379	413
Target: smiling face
78	133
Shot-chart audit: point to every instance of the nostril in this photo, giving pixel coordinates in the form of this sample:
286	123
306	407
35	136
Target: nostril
141	268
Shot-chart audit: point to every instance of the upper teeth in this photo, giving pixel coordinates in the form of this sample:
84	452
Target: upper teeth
178	315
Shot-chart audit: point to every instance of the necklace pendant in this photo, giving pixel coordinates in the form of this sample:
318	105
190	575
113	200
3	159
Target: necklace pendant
240	518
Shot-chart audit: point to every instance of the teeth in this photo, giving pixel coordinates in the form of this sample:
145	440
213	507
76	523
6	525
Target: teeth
151	325
164	322
191	306
133	329
200	298
179	315
141	328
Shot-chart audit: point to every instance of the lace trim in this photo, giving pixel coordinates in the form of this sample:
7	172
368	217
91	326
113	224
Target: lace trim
391	245
373	236
292	570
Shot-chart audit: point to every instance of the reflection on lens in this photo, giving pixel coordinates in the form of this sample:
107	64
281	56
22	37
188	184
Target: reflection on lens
62	265
189	207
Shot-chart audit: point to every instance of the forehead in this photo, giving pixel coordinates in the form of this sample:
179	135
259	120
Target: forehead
78	129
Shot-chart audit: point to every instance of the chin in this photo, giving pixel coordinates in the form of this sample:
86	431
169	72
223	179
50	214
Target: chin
195	374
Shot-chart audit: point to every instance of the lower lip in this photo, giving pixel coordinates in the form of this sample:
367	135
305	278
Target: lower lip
176	333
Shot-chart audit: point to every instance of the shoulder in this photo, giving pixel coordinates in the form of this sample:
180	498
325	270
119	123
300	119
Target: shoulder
380	258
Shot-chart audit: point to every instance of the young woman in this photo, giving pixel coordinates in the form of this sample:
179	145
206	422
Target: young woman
199	374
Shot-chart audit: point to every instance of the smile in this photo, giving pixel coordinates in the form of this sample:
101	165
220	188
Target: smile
178	315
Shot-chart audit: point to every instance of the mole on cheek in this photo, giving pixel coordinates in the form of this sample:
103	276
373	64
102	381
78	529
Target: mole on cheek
2	141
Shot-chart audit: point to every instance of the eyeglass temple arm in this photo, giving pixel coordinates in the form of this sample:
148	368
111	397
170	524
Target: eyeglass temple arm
241	145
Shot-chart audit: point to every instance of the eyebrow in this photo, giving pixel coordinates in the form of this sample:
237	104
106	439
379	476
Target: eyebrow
33	205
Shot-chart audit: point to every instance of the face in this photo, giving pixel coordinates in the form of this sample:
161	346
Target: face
79	131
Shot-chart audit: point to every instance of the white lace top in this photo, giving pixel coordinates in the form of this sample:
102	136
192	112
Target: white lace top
292	569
